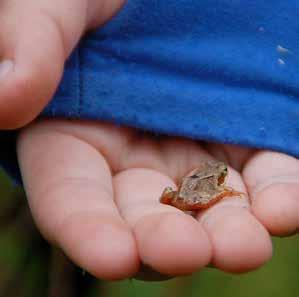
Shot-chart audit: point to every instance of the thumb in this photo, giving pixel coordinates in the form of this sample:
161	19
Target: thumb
36	38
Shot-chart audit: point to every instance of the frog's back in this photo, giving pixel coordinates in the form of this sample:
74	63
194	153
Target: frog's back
198	191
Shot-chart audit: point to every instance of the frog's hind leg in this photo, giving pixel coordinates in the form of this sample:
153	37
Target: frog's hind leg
168	196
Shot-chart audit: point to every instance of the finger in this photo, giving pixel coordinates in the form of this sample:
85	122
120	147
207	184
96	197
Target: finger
32	54
174	158
131	151
36	38
273	183
168	241
240	243
69	188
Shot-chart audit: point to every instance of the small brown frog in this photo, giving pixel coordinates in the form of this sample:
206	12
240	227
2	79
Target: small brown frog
201	189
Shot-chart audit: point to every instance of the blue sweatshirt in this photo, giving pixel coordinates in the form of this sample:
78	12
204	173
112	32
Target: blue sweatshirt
218	70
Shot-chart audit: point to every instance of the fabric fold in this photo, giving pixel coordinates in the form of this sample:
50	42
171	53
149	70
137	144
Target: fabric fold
222	71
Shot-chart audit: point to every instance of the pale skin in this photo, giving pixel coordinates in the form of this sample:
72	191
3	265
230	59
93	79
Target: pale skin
93	188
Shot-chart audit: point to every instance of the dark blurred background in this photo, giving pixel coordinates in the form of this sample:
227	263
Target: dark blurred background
30	267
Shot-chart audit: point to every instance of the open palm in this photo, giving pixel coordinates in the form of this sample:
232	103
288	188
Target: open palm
94	189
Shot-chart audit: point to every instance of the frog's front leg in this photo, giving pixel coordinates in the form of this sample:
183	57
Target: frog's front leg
229	192
168	196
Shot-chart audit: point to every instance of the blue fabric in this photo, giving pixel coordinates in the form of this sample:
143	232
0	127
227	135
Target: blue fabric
217	70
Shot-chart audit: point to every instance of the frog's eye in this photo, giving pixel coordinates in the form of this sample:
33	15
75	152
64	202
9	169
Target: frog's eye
221	178
194	176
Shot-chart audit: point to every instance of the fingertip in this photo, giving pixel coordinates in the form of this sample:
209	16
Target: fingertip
172	244
25	90
31	68
272	181
102	246
240	242
277	208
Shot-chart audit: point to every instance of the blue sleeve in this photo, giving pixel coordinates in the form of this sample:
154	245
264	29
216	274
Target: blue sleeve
224	71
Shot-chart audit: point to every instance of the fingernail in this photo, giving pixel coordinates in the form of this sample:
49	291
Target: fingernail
5	67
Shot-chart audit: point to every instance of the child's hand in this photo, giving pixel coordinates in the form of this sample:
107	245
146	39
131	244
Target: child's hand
93	189
36	38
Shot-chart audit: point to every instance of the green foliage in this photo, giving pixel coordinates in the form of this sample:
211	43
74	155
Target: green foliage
278	278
